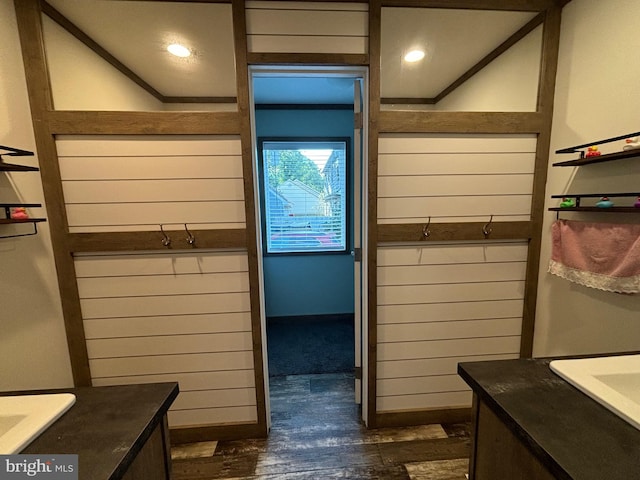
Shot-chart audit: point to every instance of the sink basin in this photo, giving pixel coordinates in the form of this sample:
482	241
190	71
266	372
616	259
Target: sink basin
24	417
614	382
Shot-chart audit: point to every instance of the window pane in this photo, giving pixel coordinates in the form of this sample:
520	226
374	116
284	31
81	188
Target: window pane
305	196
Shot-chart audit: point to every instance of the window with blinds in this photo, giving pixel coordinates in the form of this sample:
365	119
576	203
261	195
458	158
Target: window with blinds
304	195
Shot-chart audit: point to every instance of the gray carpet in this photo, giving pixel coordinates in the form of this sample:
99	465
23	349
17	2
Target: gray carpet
310	344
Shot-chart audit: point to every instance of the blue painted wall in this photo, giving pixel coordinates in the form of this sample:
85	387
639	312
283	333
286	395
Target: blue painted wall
308	284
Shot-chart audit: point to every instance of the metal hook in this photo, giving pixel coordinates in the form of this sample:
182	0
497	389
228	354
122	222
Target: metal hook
425	230
190	238
166	241
486	229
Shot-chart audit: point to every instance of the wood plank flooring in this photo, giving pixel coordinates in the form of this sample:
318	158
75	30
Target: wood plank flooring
316	434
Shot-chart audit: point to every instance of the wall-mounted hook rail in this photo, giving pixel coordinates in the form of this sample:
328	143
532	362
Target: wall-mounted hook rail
166	241
486	228
425	231
191	240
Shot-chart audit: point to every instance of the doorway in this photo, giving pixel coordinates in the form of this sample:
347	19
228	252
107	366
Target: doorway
310	258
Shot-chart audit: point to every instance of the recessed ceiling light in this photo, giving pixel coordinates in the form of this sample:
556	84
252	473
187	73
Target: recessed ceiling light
414	56
178	50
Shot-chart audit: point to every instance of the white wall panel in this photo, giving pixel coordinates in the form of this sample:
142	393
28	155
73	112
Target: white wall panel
440	304
115	183
455	178
212	416
174	317
396	369
297	27
425	401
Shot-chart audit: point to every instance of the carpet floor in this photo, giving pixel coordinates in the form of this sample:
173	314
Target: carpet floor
310	345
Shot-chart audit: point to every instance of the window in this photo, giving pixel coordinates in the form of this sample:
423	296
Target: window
304	194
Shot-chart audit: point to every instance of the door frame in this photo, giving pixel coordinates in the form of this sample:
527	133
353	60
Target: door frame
353	72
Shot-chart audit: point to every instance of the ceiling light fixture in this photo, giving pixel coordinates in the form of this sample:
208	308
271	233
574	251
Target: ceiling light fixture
414	56
178	50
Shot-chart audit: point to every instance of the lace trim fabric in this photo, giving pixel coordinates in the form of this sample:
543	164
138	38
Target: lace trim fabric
595	280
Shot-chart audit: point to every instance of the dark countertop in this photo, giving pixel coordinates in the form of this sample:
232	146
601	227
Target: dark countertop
106	427
572	435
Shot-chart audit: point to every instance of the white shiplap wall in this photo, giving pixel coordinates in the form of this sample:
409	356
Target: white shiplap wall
133	183
455	178
173	317
307	27
441	304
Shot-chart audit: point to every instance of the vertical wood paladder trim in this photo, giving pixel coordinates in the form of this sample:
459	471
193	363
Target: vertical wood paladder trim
375	18
29	20
242	80
546	92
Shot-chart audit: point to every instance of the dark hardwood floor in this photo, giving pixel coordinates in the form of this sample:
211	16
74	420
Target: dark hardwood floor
316	434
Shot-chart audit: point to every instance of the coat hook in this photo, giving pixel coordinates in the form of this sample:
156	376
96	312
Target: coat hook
190	238
425	230
486	229
166	241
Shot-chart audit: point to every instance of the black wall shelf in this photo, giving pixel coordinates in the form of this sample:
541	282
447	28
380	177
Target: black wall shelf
12	167
599	158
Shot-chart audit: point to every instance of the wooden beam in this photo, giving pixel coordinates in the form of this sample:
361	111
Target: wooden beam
228	431
143	123
460	122
242	82
423	417
503	47
413	232
29	20
408	101
199	99
152	240
307	59
510	5
375	39
546	92
70	27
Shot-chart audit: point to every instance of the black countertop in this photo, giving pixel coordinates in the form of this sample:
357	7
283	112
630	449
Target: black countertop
106	427
572	435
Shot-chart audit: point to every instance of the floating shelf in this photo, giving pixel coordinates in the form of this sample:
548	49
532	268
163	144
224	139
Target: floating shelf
9	221
596	209
599	159
12	167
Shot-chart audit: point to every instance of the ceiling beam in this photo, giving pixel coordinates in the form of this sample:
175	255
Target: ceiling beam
509	5
70	27
503	47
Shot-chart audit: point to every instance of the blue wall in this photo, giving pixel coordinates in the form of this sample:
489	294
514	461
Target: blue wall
308	284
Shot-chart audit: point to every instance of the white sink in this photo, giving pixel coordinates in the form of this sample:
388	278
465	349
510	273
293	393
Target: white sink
614	382
24	417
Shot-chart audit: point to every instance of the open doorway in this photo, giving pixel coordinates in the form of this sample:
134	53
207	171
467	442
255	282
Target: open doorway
308	157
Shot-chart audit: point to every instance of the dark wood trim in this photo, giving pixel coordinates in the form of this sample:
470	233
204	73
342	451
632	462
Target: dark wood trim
460	122
412	232
152	240
217	432
546	92
307	59
422	417
143	123
475	410
242	79
511	5
503	47
407	101
375	21
304	106
70	27
199	99
29	20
